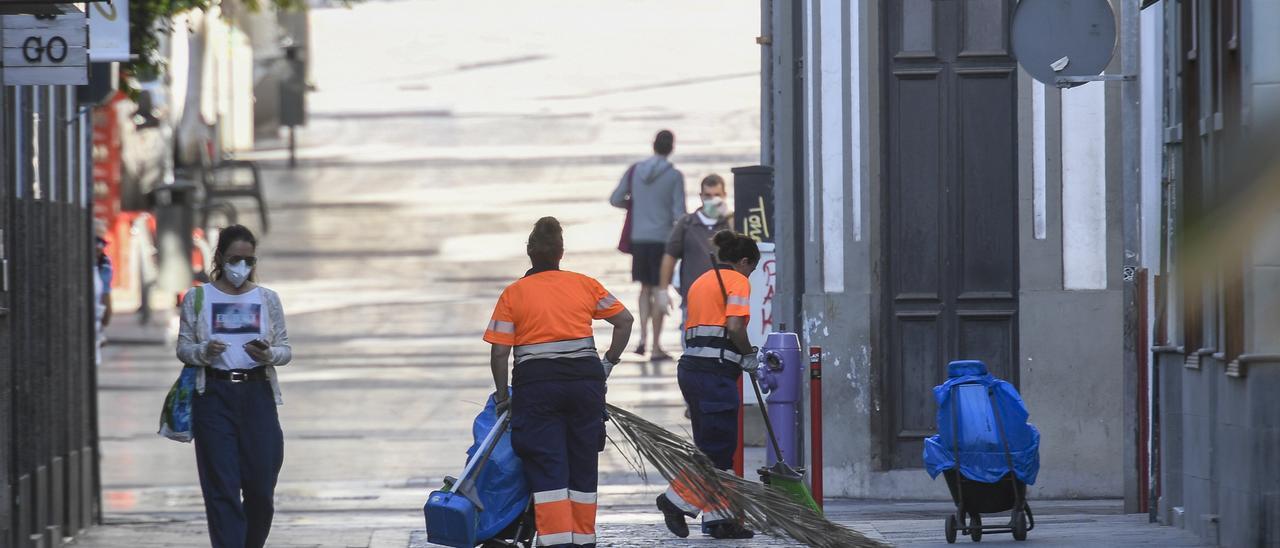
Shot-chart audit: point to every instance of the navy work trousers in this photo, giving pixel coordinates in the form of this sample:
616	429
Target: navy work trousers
713	401
239	451
557	429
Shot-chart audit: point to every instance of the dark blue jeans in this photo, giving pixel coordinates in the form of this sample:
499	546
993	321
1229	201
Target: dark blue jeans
239	451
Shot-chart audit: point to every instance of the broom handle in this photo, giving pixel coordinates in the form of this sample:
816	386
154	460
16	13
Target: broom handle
467	485
724	293
755	385
765	412
486	448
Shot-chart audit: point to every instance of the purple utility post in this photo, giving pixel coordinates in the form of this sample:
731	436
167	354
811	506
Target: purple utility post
781	374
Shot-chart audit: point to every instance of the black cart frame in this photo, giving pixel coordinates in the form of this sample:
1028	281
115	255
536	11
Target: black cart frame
968	521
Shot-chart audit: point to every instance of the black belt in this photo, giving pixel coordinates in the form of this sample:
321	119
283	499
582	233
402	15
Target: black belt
239	375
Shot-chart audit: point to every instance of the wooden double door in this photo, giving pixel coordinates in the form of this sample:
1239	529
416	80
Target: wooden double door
949	282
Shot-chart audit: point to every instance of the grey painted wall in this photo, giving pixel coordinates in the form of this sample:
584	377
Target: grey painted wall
1262	292
1263	283
1169	465
1070	341
1261	18
1072	385
1220	440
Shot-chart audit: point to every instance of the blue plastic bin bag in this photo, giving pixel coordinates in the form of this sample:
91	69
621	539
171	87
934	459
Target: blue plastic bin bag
500	488
981	449
501	484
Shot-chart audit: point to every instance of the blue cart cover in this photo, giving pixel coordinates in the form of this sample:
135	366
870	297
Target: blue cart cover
982	452
500	486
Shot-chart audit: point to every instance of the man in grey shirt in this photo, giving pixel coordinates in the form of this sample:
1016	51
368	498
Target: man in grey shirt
654	188
690	242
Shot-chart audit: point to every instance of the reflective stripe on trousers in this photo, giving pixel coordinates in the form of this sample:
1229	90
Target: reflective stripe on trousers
574	348
681	492
565	516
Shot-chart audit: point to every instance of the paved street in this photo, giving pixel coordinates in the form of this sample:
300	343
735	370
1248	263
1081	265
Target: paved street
439	133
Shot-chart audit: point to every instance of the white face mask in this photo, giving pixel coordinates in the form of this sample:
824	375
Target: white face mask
713	207
237	273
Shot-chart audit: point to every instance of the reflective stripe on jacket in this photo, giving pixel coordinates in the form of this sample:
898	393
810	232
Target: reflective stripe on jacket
710	309
547	315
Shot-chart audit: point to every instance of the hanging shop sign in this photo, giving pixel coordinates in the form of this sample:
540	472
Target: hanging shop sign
109	31
45	49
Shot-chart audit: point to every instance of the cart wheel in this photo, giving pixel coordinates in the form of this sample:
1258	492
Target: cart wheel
975	527
951	529
1019	526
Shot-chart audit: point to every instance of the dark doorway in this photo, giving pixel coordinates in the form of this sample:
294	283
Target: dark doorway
950	279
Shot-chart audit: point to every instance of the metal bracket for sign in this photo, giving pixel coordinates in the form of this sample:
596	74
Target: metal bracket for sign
84	109
1066	81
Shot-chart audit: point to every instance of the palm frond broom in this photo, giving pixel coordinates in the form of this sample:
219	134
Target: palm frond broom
761	508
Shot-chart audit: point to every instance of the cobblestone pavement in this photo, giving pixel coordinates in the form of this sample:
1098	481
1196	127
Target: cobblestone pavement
1059	523
420	177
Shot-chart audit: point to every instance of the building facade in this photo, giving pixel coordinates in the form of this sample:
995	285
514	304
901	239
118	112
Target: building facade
935	203
1212	239
49	486
1112	249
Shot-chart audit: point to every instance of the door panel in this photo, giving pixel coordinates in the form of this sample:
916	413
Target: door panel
920	183
986	193
950	279
986	336
984	27
919	342
917	38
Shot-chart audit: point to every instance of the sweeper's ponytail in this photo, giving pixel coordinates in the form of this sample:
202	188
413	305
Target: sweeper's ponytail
733	247
546	243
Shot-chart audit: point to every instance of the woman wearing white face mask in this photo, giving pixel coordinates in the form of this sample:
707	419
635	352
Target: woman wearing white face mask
234	331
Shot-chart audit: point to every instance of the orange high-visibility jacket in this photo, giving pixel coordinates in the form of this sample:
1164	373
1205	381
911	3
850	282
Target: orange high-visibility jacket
546	316
709	309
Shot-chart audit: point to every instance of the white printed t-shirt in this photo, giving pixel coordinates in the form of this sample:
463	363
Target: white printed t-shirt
235	320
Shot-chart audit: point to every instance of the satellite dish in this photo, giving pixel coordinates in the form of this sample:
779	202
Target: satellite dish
1064	38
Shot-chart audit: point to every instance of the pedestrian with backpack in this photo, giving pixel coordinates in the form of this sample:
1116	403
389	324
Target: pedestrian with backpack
232	333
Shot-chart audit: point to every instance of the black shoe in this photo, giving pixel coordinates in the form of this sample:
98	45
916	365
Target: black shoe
730	530
673	516
640	349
